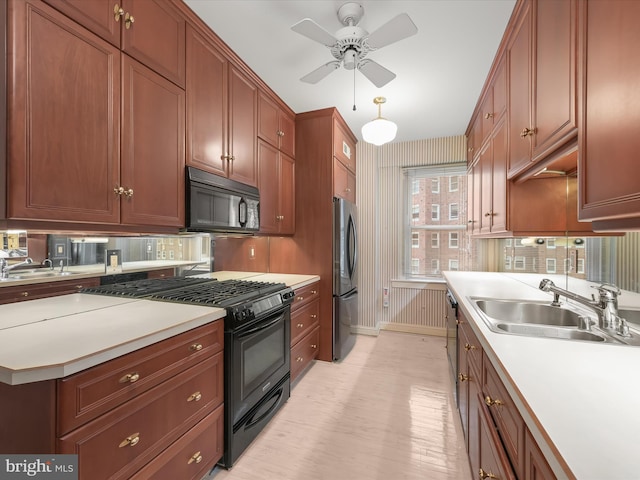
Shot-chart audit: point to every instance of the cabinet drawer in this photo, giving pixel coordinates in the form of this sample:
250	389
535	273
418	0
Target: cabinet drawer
19	293
120	442
304	351
471	346
491	454
87	394
193	455
505	415
305	295
303	320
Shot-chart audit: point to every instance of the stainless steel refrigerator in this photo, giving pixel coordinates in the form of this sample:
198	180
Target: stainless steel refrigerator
345	276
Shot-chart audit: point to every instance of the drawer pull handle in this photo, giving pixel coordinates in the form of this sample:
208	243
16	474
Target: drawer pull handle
314	346
299	359
131	441
313	292
130	378
300	325
194	397
484	474
468	347
462	377
313	315
491	402
25	294
196	347
300	298
195	458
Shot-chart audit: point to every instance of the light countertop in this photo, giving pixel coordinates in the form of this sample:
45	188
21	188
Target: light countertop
58	336
578	399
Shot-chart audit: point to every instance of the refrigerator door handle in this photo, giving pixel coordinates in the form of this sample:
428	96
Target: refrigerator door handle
352	242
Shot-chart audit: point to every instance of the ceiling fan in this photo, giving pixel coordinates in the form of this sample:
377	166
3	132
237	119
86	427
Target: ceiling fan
351	44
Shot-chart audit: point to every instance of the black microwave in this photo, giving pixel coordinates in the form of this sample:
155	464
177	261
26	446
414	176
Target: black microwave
218	204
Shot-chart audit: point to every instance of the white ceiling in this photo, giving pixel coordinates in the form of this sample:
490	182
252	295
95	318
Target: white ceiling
440	70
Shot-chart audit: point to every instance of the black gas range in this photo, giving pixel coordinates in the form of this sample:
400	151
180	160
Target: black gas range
257	350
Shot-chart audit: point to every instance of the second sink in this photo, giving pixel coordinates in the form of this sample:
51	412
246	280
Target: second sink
528	312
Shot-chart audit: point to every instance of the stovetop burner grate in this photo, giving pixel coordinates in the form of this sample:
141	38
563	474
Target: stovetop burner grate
147	287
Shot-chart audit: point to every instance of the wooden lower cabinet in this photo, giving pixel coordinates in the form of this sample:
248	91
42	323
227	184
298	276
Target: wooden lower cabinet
20	293
305	328
497	439
137	416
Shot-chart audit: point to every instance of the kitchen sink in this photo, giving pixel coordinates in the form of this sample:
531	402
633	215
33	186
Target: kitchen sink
32	275
550	332
528	312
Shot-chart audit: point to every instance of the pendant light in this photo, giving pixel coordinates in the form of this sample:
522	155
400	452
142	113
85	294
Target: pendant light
379	130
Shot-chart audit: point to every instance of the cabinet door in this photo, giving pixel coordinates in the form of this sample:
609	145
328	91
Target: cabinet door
268	186
288	134
268	124
474	140
609	110
499	184
344	149
487	115
152	148
536	466
243	97
287	194
99	16
156	37
519	78
63	119
555	73
478	214
492	457
207	112
340	179
486	186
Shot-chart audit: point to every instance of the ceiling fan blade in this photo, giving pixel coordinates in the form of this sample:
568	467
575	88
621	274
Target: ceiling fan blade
312	30
376	73
394	30
321	72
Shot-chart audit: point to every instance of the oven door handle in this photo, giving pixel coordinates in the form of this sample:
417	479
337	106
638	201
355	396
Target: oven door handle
254	421
259	328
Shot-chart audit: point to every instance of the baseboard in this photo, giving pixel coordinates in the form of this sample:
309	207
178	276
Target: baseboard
418	329
365	330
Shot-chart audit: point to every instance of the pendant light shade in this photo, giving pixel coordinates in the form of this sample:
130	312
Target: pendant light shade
379	130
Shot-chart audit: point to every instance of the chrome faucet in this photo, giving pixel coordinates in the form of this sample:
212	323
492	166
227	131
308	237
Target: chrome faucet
5	268
606	306
47	262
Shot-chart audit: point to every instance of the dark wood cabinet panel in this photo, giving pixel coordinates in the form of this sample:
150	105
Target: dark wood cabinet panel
304	352
287	194
152	148
275	125
99	16
243	97
344	182
535	465
207	105
303	320
288	137
344	147
20	293
609	109
63	119
276	182
491	455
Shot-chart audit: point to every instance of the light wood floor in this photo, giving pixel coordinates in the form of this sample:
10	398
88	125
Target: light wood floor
386	412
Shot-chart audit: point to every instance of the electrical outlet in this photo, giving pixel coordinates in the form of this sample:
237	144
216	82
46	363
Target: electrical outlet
252	252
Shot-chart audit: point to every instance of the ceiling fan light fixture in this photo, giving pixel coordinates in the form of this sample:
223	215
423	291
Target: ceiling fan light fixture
379	130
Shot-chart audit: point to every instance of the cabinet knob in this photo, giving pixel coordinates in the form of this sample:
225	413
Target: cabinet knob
299	359
118	190
527	132
470	149
128	20
491	402
131	441
128	192
300	325
490	214
196	347
130	378
25	294
195	458
300	298
468	346
280	133
313	292
194	397
313	315
462	377
314	346
117	12
484	474
487	116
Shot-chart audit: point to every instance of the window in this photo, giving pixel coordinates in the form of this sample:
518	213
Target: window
453	239
581	265
551	243
507	262
415	265
551	265
440	215
415	240
519	263
435	240
453	211
518	243
435	212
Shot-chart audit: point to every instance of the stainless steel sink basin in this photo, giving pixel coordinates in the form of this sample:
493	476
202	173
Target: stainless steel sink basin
528	312
632	316
550	332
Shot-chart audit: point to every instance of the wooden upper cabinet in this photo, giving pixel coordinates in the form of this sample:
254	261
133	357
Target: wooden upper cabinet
277	190
151	31
609	113
207	105
152	148
344	182
542	82
519	101
63	119
243	106
275	125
